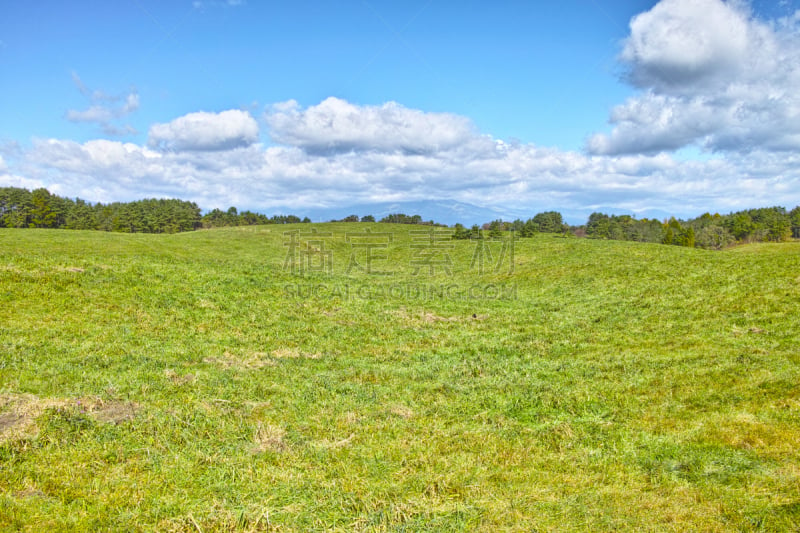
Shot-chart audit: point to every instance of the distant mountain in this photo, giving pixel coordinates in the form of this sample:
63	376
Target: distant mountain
451	212
441	211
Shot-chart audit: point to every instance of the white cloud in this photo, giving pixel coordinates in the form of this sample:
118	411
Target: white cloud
713	76
216	162
105	110
11	180
131	103
682	42
95	113
336	125
204	131
653	123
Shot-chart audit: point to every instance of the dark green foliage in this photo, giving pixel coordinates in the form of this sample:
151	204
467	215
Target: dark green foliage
794	218
774	222
461	232
496	229
15	207
765	224
475	232
149	216
44	212
740	225
400	218
523	229
529	229
709	231
549	222
20	208
627	228
216	218
81	216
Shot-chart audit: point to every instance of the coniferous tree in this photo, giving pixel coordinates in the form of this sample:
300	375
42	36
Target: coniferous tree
549	222
794	218
496	229
16	207
80	216
475	232
460	232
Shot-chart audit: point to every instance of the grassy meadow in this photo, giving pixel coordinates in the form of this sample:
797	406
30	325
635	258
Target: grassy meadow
207	381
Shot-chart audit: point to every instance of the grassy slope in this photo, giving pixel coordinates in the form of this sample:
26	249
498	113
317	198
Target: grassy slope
177	383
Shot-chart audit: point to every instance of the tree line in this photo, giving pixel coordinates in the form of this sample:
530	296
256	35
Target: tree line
394	218
21	208
768	224
547	222
217	218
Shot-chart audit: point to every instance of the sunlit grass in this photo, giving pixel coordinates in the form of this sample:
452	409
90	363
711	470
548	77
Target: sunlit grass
189	382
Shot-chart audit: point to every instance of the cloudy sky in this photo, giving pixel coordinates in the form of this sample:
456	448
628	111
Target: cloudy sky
677	106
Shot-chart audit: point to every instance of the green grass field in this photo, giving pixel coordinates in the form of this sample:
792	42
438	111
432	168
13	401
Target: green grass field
191	382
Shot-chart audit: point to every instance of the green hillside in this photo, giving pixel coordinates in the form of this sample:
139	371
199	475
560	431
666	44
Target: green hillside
251	379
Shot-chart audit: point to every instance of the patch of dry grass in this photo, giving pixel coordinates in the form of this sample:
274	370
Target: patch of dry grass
269	438
18	412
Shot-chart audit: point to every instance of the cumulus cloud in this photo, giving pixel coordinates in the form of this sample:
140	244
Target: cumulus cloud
712	75
204	131
105	110
10	180
215	161
687	42
336	125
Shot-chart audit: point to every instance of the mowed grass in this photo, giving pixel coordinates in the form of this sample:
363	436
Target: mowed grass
190	382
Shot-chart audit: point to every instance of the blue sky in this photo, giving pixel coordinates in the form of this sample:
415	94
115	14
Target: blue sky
678	106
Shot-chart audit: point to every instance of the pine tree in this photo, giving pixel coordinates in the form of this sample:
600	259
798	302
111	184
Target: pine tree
42	214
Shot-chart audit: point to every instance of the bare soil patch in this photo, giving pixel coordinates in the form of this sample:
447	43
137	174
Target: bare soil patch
18	412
